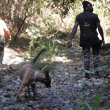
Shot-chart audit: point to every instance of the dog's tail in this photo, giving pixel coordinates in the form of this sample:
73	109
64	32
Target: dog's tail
35	59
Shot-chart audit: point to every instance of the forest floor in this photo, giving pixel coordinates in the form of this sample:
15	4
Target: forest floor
69	89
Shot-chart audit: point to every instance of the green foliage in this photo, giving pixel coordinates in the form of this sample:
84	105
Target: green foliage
37	39
64	5
2	9
3	101
33	33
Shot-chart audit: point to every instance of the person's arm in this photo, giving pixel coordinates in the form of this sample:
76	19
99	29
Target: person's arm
74	31
101	32
6	30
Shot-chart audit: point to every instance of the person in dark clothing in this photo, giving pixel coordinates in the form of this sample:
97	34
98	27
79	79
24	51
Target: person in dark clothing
88	22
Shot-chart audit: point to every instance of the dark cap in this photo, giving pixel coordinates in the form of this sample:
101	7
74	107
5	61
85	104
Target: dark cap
86	4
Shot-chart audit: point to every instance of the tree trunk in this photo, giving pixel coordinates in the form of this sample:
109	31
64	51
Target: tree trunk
20	28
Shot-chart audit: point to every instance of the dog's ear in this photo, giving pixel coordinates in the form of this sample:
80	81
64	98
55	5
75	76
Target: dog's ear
47	74
48	80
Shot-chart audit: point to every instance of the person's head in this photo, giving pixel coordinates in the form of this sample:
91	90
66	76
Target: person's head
87	6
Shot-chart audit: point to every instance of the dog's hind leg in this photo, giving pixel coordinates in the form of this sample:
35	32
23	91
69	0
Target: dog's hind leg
19	91
28	91
33	86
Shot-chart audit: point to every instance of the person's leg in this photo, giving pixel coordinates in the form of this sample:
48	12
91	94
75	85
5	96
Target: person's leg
1	52
1	58
86	53
96	58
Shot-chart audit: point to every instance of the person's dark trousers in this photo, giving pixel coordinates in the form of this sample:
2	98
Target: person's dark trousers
86	52
1	52
1	57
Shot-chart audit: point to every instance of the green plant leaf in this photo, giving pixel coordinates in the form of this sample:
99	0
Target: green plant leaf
88	106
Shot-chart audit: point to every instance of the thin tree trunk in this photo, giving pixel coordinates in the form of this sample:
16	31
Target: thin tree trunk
19	29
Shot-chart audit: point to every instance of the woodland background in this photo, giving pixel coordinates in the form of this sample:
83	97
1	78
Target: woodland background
35	24
34	20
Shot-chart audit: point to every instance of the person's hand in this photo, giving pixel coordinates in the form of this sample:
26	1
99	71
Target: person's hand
69	41
69	44
103	41
9	37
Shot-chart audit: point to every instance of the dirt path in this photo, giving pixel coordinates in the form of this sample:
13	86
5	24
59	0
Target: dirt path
12	57
69	90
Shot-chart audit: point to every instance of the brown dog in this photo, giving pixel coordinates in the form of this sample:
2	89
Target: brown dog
30	76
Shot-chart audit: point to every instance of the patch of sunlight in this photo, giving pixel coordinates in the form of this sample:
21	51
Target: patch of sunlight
107	39
16	60
11	57
61	59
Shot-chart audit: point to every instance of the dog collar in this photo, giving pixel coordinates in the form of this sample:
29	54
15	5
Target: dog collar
36	73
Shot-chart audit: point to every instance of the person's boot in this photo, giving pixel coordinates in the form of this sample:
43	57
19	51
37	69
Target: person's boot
0	65
87	75
97	75
1	85
0	79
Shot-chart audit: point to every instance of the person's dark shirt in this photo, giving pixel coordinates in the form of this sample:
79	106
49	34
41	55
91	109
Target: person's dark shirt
87	22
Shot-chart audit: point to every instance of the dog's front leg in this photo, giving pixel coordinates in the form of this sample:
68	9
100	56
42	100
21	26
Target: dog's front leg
33	86
19	91
28	91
